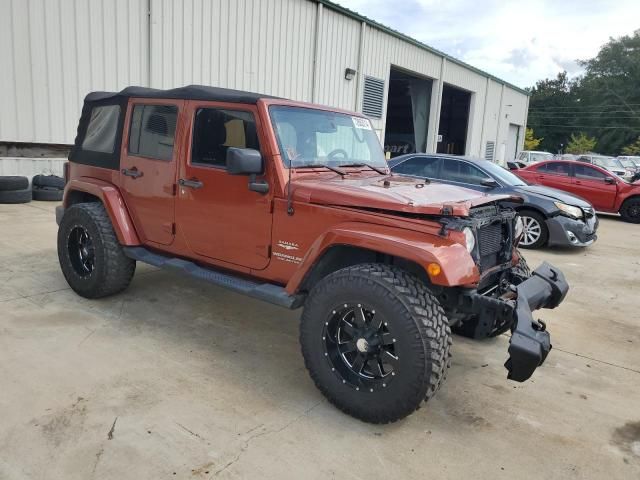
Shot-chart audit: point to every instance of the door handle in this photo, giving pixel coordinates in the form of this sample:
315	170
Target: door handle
133	173
195	183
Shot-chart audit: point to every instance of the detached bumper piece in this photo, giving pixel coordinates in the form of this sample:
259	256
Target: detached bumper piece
530	342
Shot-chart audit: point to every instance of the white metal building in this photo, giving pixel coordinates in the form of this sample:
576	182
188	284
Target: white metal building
53	52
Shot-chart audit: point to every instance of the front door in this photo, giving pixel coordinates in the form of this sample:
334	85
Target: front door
148	167
590	184
218	215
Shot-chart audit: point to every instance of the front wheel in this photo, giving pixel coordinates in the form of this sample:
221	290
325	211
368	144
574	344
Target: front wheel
535	232
376	342
630	210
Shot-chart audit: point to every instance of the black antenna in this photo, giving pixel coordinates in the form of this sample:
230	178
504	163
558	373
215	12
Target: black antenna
290	210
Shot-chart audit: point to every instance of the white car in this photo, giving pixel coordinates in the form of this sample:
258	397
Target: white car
532	156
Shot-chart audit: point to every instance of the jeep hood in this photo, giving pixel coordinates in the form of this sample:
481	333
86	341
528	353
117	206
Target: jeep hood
392	193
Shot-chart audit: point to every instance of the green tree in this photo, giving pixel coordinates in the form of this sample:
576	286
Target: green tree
633	149
581	143
603	103
530	142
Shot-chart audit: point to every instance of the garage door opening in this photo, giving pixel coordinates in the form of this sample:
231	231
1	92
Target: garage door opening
407	114
454	121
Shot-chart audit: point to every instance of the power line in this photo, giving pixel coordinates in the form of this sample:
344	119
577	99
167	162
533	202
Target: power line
598	127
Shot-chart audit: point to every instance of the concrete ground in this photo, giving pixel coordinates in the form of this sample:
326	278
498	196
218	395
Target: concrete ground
180	379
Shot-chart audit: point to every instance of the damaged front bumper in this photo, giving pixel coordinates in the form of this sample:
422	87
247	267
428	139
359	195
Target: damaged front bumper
530	342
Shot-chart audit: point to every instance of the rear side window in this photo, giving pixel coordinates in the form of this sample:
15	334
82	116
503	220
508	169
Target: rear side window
152	131
555	168
426	167
215	130
588	173
101	131
462	172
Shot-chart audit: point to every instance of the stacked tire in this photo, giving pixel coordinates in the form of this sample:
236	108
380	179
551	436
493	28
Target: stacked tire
47	188
16	189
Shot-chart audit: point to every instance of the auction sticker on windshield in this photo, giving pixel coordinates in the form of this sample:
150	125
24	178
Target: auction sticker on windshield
362	123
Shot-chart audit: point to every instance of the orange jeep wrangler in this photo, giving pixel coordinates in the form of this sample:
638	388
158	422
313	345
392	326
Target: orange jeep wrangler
293	204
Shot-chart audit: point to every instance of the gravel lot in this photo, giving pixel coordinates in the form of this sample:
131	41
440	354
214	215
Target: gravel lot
180	379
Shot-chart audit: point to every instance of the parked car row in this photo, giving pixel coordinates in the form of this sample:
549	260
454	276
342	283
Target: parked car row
550	216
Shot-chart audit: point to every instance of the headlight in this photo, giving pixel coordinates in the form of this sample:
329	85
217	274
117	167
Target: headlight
519	227
569	210
470	239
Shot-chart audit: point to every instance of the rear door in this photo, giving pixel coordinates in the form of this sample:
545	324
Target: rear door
148	167
554	174
218	215
590	183
419	166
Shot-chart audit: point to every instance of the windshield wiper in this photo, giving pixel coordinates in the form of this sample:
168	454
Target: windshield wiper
362	164
322	165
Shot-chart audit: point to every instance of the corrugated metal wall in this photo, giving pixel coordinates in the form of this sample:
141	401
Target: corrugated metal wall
53	52
58	50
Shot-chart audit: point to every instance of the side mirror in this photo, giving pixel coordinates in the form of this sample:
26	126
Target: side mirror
247	161
243	161
609	180
490	183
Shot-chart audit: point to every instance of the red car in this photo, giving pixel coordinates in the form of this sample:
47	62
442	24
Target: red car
604	190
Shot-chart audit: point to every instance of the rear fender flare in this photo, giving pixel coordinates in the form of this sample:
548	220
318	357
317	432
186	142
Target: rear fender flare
113	202
457	266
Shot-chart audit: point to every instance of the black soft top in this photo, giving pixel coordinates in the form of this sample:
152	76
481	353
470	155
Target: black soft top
111	134
190	92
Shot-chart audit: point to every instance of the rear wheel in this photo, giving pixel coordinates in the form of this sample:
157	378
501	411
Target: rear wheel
90	256
376	342
630	210
535	232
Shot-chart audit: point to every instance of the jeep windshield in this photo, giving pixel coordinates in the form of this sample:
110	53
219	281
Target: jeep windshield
317	138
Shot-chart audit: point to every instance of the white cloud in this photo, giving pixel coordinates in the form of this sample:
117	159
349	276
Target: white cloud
519	41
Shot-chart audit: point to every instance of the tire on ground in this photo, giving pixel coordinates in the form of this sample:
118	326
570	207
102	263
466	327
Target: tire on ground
48	181
112	270
15	196
47	194
630	210
13	183
544	231
423	340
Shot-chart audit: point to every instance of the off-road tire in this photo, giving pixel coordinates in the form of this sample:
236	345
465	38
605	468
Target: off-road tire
420	325
15	196
112	271
11	182
47	194
630	210
48	181
544	231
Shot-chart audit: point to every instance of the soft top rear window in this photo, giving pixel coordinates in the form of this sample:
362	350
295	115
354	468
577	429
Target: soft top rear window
102	129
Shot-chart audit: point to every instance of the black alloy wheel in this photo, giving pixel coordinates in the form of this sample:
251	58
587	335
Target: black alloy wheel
360	347
81	251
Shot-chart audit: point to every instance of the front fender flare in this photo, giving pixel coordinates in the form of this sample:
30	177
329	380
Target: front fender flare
457	266
113	203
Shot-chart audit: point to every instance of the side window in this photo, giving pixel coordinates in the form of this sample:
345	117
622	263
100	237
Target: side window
555	168
152	131
216	130
426	167
101	131
462	172
522	156
588	173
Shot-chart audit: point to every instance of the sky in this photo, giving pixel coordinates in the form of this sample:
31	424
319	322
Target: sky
520	42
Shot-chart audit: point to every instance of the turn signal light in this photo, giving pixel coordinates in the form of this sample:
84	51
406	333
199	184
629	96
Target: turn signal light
433	269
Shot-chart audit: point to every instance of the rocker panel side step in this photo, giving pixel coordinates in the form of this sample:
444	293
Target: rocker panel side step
263	291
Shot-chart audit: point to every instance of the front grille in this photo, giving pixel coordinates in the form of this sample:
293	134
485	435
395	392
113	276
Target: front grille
491	241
